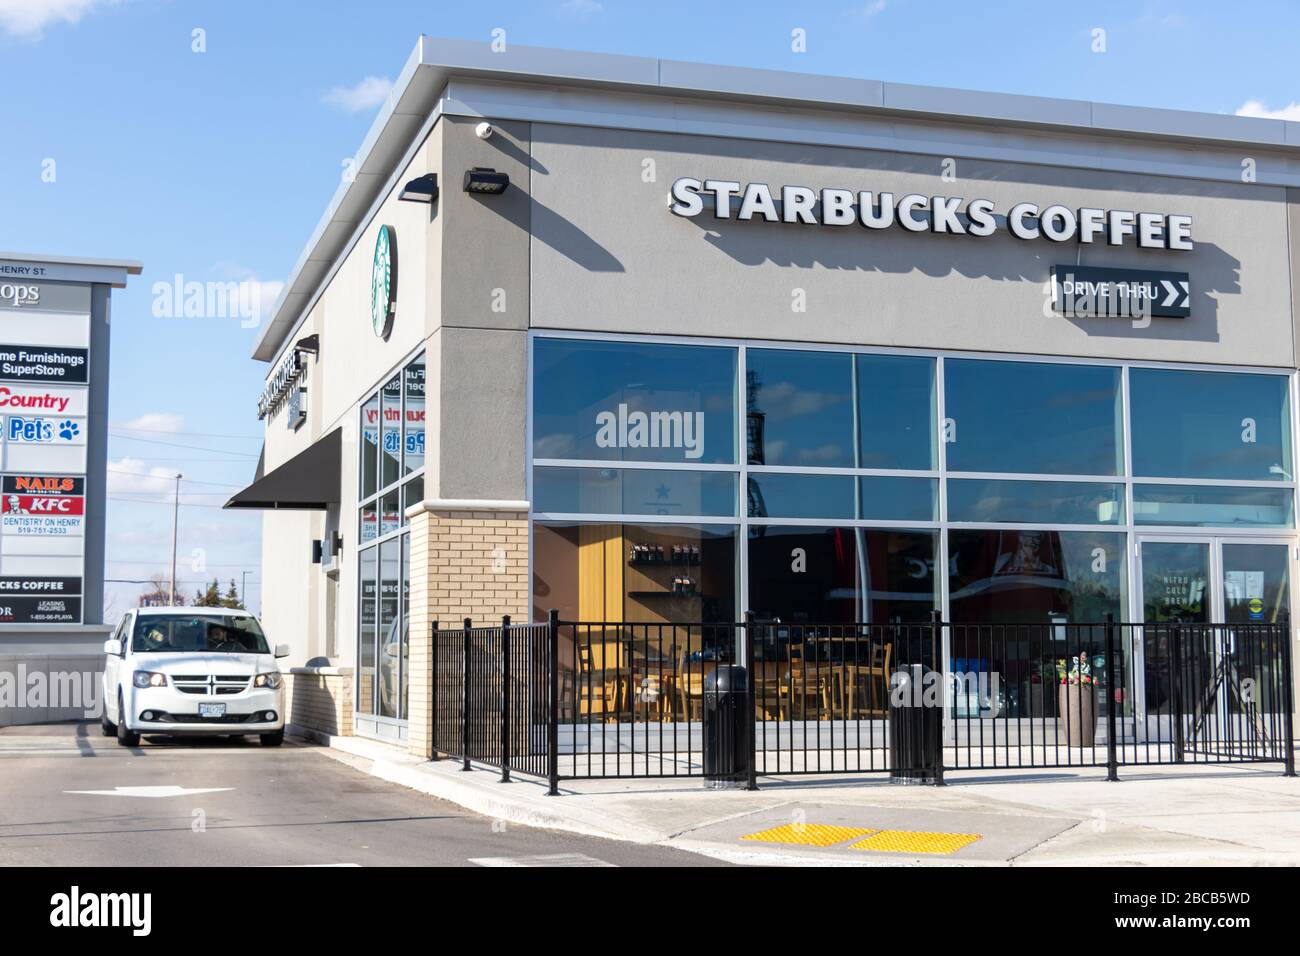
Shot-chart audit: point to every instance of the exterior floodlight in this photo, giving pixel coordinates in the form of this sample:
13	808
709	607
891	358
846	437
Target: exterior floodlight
421	189
485	181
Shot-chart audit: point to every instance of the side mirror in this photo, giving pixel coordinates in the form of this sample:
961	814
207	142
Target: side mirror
282	650
113	647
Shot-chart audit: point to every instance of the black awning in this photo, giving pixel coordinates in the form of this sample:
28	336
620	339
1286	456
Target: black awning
309	481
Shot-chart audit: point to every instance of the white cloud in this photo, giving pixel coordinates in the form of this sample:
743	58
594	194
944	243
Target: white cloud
365	95
29	18
581	8
869	10
140	481
1256	108
152	422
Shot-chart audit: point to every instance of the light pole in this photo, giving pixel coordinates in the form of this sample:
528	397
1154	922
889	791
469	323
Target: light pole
243	589
176	510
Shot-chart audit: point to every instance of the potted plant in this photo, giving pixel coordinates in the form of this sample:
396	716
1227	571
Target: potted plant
1077	700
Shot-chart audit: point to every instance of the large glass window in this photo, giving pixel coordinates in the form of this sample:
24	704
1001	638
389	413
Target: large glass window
1035	418
1035	502
799	406
657	573
1035	577
368	573
878	498
1202	506
634	491
369	447
389	631
896	412
620	401
391	437
391	455
829	575
1034	459
1189	424
413	419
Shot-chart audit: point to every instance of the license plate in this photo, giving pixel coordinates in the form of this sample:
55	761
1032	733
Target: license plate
212	710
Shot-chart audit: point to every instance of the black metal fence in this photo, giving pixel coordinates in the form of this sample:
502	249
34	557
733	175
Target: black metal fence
587	700
491	695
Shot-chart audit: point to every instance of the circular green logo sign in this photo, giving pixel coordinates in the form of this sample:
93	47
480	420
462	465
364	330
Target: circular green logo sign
383	282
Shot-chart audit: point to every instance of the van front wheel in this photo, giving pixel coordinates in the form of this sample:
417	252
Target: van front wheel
125	736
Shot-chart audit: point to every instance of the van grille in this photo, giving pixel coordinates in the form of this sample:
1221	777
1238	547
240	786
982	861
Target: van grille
226	684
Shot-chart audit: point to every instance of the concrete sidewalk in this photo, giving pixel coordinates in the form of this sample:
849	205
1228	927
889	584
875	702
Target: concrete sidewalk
1189	816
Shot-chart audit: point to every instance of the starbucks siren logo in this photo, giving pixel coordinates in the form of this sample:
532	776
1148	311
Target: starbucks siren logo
383	282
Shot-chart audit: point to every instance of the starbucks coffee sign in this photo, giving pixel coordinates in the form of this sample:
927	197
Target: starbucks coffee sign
383	282
915	212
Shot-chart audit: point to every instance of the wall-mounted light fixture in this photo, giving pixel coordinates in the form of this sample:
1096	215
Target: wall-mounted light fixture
336	542
485	181
317	549
421	189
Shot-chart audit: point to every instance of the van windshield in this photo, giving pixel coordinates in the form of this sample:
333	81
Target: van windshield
202	633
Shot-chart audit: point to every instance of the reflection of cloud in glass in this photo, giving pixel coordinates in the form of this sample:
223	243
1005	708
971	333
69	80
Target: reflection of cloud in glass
788	400
558	445
820	455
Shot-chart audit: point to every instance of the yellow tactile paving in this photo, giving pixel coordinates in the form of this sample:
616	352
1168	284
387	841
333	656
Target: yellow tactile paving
915	841
808	834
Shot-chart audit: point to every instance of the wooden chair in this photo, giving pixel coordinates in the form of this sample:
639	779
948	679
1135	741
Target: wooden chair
689	685
805	684
769	691
603	691
862	690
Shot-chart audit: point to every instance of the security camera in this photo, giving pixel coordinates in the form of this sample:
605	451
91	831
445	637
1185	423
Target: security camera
483	130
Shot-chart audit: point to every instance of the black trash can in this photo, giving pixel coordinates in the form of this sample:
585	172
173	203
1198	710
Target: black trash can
915	725
727	728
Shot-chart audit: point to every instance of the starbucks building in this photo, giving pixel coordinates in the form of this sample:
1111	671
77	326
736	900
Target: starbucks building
653	341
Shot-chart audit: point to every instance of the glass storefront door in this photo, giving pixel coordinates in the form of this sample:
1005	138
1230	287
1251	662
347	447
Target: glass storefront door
1211	579
1175	577
1203	579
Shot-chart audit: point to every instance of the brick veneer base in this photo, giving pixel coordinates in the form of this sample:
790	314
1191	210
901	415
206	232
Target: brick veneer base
476	566
320	699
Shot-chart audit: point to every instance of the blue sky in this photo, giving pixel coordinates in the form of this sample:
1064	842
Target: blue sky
216	165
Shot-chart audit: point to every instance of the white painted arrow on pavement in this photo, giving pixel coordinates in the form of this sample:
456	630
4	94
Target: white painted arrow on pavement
155	792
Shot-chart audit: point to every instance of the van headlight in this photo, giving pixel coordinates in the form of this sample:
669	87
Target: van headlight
149	679
271	680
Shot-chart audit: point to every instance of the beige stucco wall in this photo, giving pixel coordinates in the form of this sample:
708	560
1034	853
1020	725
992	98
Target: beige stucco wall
609	256
351	362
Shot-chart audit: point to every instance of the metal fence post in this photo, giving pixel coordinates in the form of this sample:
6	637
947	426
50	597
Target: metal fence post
1112	756
433	688
1288	697
941	666
553	711
1176	688
505	698
465	697
751	709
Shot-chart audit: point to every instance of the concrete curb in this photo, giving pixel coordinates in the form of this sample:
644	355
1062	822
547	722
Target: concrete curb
480	792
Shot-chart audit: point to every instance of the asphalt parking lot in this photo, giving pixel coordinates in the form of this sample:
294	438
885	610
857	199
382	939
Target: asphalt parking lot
74	798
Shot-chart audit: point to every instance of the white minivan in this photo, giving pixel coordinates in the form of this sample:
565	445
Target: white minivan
192	671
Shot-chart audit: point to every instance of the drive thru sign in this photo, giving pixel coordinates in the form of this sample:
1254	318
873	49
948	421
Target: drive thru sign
1094	292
